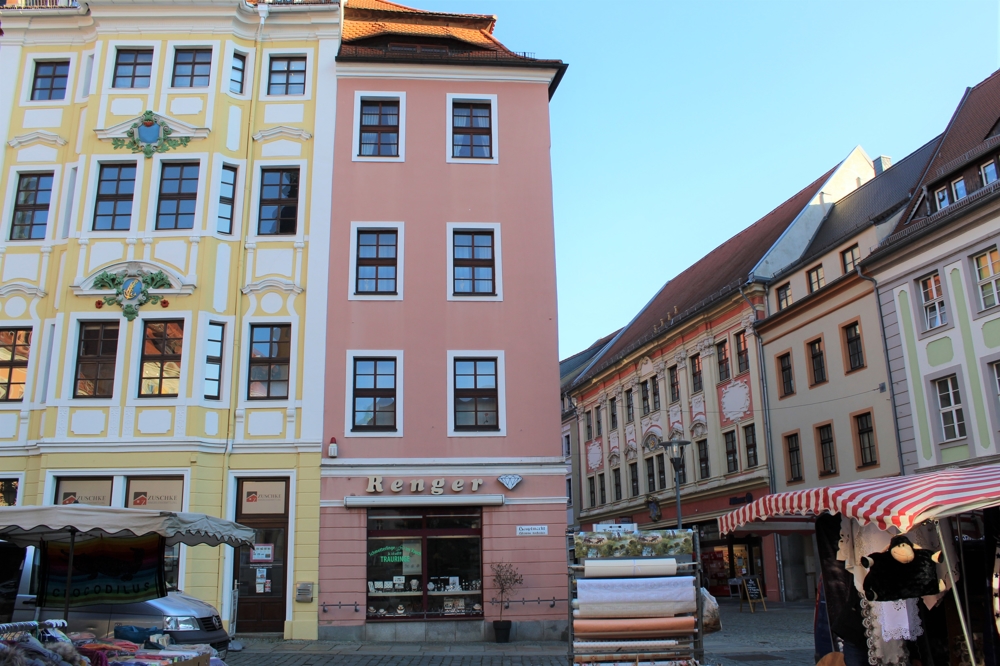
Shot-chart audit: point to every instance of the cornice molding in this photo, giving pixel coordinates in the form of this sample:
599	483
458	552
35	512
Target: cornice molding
272	283
21	287
40	136
179	129
282	131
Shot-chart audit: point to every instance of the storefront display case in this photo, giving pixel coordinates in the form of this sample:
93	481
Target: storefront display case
424	563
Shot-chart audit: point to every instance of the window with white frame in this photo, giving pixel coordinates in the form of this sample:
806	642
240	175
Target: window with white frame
943	198
227	200
31	206
286	75
133	68
472	128
374	394
49	82
988	173
988	274
932	296
474	262
161	357
958	189
15	349
950	408
784	296
850	257
213	360
816	279
476	385
237	73
379	135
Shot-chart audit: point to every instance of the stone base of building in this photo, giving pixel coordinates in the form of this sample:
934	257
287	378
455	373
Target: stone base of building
444	631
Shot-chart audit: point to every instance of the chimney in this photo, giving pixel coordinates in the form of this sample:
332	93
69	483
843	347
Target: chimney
881	163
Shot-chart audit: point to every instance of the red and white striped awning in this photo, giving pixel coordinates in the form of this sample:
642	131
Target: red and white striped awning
898	501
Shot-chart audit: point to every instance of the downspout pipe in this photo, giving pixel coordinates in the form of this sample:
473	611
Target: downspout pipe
888	368
768	444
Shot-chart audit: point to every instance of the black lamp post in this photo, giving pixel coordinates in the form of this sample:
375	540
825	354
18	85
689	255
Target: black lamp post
674	449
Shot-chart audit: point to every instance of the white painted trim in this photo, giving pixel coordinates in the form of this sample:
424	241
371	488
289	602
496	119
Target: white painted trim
449	72
212	218
135	340
107	80
243	402
494	127
38	135
349	468
359	501
356	227
170	57
378	95
254	222
501	393
232	47
69	360
13	177
90	205
536	500
153	200
280	131
452	228
262	94
28	77
349	394
19	477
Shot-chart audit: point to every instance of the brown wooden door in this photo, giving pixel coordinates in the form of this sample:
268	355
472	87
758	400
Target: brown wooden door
262	570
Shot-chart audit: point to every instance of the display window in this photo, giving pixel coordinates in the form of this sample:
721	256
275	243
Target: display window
425	563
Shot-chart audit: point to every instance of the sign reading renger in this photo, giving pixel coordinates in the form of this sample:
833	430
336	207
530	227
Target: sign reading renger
377	484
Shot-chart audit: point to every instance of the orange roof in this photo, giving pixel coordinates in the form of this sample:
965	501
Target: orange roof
364	19
355	30
382	5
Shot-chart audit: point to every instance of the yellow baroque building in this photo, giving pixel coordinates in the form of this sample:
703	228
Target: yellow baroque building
162	287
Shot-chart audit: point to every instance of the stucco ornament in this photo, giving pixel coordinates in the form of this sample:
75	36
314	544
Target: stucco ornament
676	422
699	422
509	480
131	288
595	456
613	442
707	346
650	442
645	367
614	459
748	322
148	135
680	357
631	453
735	400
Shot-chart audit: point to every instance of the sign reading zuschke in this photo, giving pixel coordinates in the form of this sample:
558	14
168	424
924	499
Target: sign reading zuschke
263	497
160	494
96	492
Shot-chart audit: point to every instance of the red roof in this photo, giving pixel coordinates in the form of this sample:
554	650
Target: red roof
364	19
719	271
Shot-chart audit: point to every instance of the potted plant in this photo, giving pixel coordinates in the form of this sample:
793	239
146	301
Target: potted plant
506	579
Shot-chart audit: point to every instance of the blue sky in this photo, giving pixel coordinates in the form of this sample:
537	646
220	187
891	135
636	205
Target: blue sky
679	124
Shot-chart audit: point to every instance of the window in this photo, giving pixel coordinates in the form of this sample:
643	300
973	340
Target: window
784	296
987	272
696	384
988	172
15	348
817	361
593	493
958	187
866	439
376	262
8	492
227	199
589	417
855	351
96	354
675	384
567	446
279	202
785	370
472	134
604	493
115	187
661	471
629	407
270	357
644	389
650	475
476	396
213	360
132	68
750	437
569	492
656	392
816	279
238	73
597	419
722	354
613	412
794	458
374	398
379	129
193	68
287	76
31	206
616	482
933	300
178	196
633	472
160	361
850	257
943	200
950	405
742	352
703	468
473	263
50	80
732	453
827	452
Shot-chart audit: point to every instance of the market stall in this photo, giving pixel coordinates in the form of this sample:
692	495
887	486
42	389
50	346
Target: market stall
884	524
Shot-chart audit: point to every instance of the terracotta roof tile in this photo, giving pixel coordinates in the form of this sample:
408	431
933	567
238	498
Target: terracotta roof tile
719	271
356	30
383	6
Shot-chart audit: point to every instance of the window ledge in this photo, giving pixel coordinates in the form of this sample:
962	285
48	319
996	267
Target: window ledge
857	369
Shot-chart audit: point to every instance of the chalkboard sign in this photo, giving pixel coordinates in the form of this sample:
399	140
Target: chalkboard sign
752	593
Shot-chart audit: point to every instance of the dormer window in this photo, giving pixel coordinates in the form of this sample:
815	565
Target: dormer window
943	200
429	49
988	172
958	187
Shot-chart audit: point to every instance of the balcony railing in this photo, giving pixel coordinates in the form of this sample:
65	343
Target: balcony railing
422	52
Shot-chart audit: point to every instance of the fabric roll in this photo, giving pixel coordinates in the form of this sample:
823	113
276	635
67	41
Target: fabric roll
622	646
633	628
621	568
635	590
654	609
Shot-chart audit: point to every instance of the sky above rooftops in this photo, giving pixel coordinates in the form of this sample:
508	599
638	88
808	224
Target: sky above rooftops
679	124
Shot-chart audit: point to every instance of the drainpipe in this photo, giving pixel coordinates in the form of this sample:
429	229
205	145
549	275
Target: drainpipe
888	368
766	411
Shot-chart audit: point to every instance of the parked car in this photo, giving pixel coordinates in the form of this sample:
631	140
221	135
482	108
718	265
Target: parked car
187	620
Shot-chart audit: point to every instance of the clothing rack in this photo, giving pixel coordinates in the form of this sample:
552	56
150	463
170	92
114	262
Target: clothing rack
30	627
673	647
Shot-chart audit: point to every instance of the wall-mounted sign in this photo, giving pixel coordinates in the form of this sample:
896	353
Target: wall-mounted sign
160	494
96	492
377	484
532	530
262	552
263	497
743	499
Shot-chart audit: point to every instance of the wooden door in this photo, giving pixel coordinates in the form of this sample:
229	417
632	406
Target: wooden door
262	569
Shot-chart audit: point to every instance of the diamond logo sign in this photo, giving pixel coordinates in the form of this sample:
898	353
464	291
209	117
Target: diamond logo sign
509	480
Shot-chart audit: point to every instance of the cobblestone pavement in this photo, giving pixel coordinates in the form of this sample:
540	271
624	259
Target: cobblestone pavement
781	636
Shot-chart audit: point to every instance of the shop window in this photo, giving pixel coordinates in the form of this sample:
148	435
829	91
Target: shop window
424	563
15	348
165	494
616	482
95	491
633	472
8	492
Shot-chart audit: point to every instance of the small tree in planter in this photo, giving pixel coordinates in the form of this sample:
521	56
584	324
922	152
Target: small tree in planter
506	579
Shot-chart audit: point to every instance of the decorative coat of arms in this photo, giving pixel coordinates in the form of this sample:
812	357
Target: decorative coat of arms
149	135
132	289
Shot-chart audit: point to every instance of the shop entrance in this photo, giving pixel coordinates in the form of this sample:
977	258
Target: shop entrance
261	573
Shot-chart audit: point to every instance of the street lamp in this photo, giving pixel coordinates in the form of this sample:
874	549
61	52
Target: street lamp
674	449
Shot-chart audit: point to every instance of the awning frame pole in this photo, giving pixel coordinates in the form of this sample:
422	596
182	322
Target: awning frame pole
69	572
954	590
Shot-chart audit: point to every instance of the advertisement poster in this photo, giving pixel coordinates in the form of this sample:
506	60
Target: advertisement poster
654	543
159	494
262	552
96	492
109	571
263	497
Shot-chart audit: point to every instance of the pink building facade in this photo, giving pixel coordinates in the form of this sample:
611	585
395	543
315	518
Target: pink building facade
441	351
